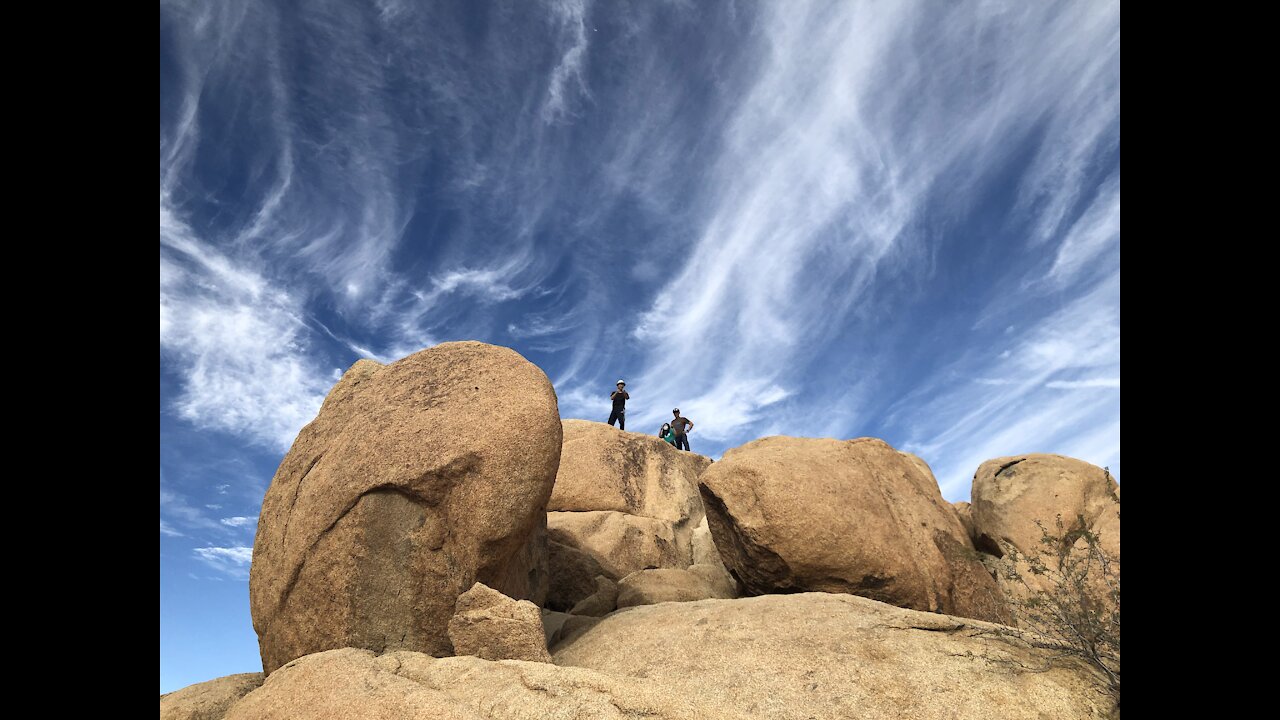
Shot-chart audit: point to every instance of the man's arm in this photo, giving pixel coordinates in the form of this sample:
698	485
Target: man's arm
626	395
690	428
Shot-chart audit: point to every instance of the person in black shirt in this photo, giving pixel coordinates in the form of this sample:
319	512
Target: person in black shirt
680	426
619	398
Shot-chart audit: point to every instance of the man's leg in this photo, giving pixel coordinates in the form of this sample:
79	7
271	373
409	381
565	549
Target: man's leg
622	420
682	442
612	417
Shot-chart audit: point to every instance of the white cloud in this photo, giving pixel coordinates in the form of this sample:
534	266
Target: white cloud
166	529
238	344
233	561
240	521
489	285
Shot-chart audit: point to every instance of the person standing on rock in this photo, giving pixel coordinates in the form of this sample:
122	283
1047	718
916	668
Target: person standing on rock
681	426
619	398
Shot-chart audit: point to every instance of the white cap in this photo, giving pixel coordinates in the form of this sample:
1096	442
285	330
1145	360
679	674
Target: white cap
621	382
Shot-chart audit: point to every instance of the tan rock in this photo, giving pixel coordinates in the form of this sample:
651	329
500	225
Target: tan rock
704	546
552	622
818	655
572	574
603	468
563	627
622	543
622	502
208	700
700	462
722	583
797	514
1011	494
602	602
352	683
707	563
492	626
649	587
964	512
415	481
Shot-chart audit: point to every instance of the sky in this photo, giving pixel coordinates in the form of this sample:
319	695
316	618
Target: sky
818	219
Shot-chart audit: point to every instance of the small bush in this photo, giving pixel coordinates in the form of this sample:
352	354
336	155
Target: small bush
1073	604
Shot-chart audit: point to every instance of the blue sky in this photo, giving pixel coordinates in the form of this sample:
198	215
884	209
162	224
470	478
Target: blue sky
827	219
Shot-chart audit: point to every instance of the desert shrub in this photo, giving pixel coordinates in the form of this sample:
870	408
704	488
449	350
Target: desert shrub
1065	596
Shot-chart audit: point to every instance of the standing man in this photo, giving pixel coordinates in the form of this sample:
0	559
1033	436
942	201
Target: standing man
681	426
619	398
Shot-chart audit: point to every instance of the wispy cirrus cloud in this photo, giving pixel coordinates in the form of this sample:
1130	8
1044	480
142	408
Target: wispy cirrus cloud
751	228
567	76
1094	237
956	426
863	124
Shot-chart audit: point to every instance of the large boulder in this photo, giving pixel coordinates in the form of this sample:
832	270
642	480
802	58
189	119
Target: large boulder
352	683
208	700
799	514
492	626
416	480
818	655
1013	497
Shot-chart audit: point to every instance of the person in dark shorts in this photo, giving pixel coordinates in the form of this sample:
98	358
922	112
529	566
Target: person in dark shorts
680	427
619	398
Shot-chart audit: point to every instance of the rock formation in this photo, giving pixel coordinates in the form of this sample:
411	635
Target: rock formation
492	626
649	587
799	514
1012	494
415	481
834	656
622	502
781	656
208	700
413	530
